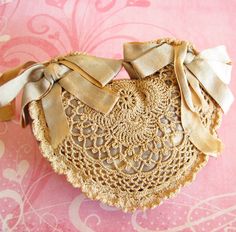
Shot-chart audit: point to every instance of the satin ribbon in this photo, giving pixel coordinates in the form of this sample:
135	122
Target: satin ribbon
82	75
211	69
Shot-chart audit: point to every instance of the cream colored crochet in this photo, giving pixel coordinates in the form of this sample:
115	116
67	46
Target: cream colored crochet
137	155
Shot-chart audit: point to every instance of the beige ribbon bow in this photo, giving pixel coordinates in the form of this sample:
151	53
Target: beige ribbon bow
82	75
211	68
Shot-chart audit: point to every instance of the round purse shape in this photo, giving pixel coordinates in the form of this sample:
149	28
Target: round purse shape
130	143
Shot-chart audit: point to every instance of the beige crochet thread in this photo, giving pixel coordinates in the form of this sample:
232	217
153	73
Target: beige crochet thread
137	155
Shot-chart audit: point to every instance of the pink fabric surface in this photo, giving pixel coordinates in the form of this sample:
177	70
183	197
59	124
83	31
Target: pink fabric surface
32	196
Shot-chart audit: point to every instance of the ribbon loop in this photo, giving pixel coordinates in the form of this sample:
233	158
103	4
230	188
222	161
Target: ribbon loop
97	70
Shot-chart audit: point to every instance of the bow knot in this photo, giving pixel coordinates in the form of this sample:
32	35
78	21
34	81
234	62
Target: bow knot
189	58
52	72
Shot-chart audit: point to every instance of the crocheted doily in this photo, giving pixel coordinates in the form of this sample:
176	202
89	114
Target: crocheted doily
137	155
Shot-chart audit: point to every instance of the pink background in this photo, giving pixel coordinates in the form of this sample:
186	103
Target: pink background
32	196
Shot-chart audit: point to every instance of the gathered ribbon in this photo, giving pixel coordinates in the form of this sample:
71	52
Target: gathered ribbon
82	75
210	68
85	76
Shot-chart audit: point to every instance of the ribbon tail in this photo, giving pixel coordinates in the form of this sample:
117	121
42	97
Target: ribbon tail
198	98
199	135
33	91
7	112
55	116
180	54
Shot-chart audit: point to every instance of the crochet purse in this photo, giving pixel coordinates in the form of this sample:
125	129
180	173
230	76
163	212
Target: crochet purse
129	143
